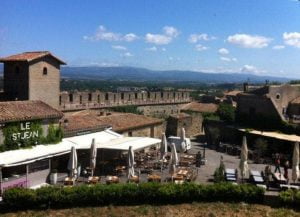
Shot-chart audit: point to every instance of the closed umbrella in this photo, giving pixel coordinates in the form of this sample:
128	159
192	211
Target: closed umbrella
163	147
130	163
72	164
173	160
93	156
295	169
244	157
182	145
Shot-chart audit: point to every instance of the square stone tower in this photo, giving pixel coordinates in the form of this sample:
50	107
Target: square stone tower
32	76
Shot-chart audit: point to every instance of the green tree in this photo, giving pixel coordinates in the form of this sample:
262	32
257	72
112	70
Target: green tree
226	112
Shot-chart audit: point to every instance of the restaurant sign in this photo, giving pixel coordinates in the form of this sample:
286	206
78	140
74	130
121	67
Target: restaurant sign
25	132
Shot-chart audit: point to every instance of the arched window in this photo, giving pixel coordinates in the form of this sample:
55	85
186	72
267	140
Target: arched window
278	96
45	71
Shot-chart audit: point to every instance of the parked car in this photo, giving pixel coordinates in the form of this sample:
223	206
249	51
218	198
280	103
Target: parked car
177	141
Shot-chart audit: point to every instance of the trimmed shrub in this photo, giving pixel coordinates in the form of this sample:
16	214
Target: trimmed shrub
128	194
290	198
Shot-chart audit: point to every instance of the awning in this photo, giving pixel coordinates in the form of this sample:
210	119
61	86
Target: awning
40	152
106	139
137	143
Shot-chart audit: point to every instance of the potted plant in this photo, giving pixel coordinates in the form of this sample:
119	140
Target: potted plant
53	177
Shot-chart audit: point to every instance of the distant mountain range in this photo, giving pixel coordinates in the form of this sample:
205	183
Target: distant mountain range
141	74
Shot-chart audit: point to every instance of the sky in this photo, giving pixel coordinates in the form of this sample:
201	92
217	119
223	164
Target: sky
261	37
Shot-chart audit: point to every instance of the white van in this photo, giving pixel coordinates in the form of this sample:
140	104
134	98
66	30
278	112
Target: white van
177	141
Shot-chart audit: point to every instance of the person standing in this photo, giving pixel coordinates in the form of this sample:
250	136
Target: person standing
277	164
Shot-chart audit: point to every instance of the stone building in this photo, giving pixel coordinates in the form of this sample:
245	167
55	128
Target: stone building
19	119
32	76
191	118
127	124
274	101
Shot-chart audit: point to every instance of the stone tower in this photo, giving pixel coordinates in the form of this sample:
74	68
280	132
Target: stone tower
32	76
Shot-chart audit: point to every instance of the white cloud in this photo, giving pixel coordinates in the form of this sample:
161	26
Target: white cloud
251	69
194	38
159	39
130	37
103	35
249	41
228	59
171	31
118	47
278	47
151	48
223	51
163	49
200	47
127	54
292	39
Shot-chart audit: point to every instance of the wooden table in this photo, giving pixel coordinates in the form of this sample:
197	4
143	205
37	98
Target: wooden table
69	181
112	179
154	178
93	179
182	172
134	179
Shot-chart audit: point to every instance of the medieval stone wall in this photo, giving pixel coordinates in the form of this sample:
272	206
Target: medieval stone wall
84	99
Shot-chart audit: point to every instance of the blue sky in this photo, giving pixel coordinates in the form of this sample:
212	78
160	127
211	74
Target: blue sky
253	36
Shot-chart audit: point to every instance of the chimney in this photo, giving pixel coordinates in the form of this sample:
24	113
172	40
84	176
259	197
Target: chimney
246	86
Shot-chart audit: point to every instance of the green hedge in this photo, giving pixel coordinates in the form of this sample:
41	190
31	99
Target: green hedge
290	198
128	194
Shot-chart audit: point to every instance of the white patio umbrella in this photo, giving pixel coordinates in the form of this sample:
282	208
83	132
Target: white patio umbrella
163	147
295	169
173	160
93	156
182	145
130	163
72	164
244	157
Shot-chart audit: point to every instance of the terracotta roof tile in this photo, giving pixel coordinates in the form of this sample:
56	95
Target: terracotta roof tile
296	101
200	107
118	121
29	56
180	115
26	110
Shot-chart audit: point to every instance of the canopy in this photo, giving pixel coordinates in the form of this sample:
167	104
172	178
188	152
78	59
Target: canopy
108	139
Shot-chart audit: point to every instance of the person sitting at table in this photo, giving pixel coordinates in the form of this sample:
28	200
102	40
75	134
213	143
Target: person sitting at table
268	174
286	169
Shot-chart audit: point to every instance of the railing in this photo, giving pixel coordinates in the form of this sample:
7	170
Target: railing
92	105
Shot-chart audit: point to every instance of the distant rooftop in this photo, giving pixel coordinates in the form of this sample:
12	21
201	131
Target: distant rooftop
29	56
118	121
200	107
12	111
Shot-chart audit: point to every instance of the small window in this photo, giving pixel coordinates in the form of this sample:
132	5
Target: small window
106	96
80	99
90	97
45	71
277	96
71	97
17	70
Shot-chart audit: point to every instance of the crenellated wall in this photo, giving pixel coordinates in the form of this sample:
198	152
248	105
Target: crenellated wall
78	100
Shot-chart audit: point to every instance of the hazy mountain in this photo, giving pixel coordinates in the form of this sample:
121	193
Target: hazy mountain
141	74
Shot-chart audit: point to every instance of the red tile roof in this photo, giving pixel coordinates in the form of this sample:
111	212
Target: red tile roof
180	116
120	122
13	111
30	56
200	107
